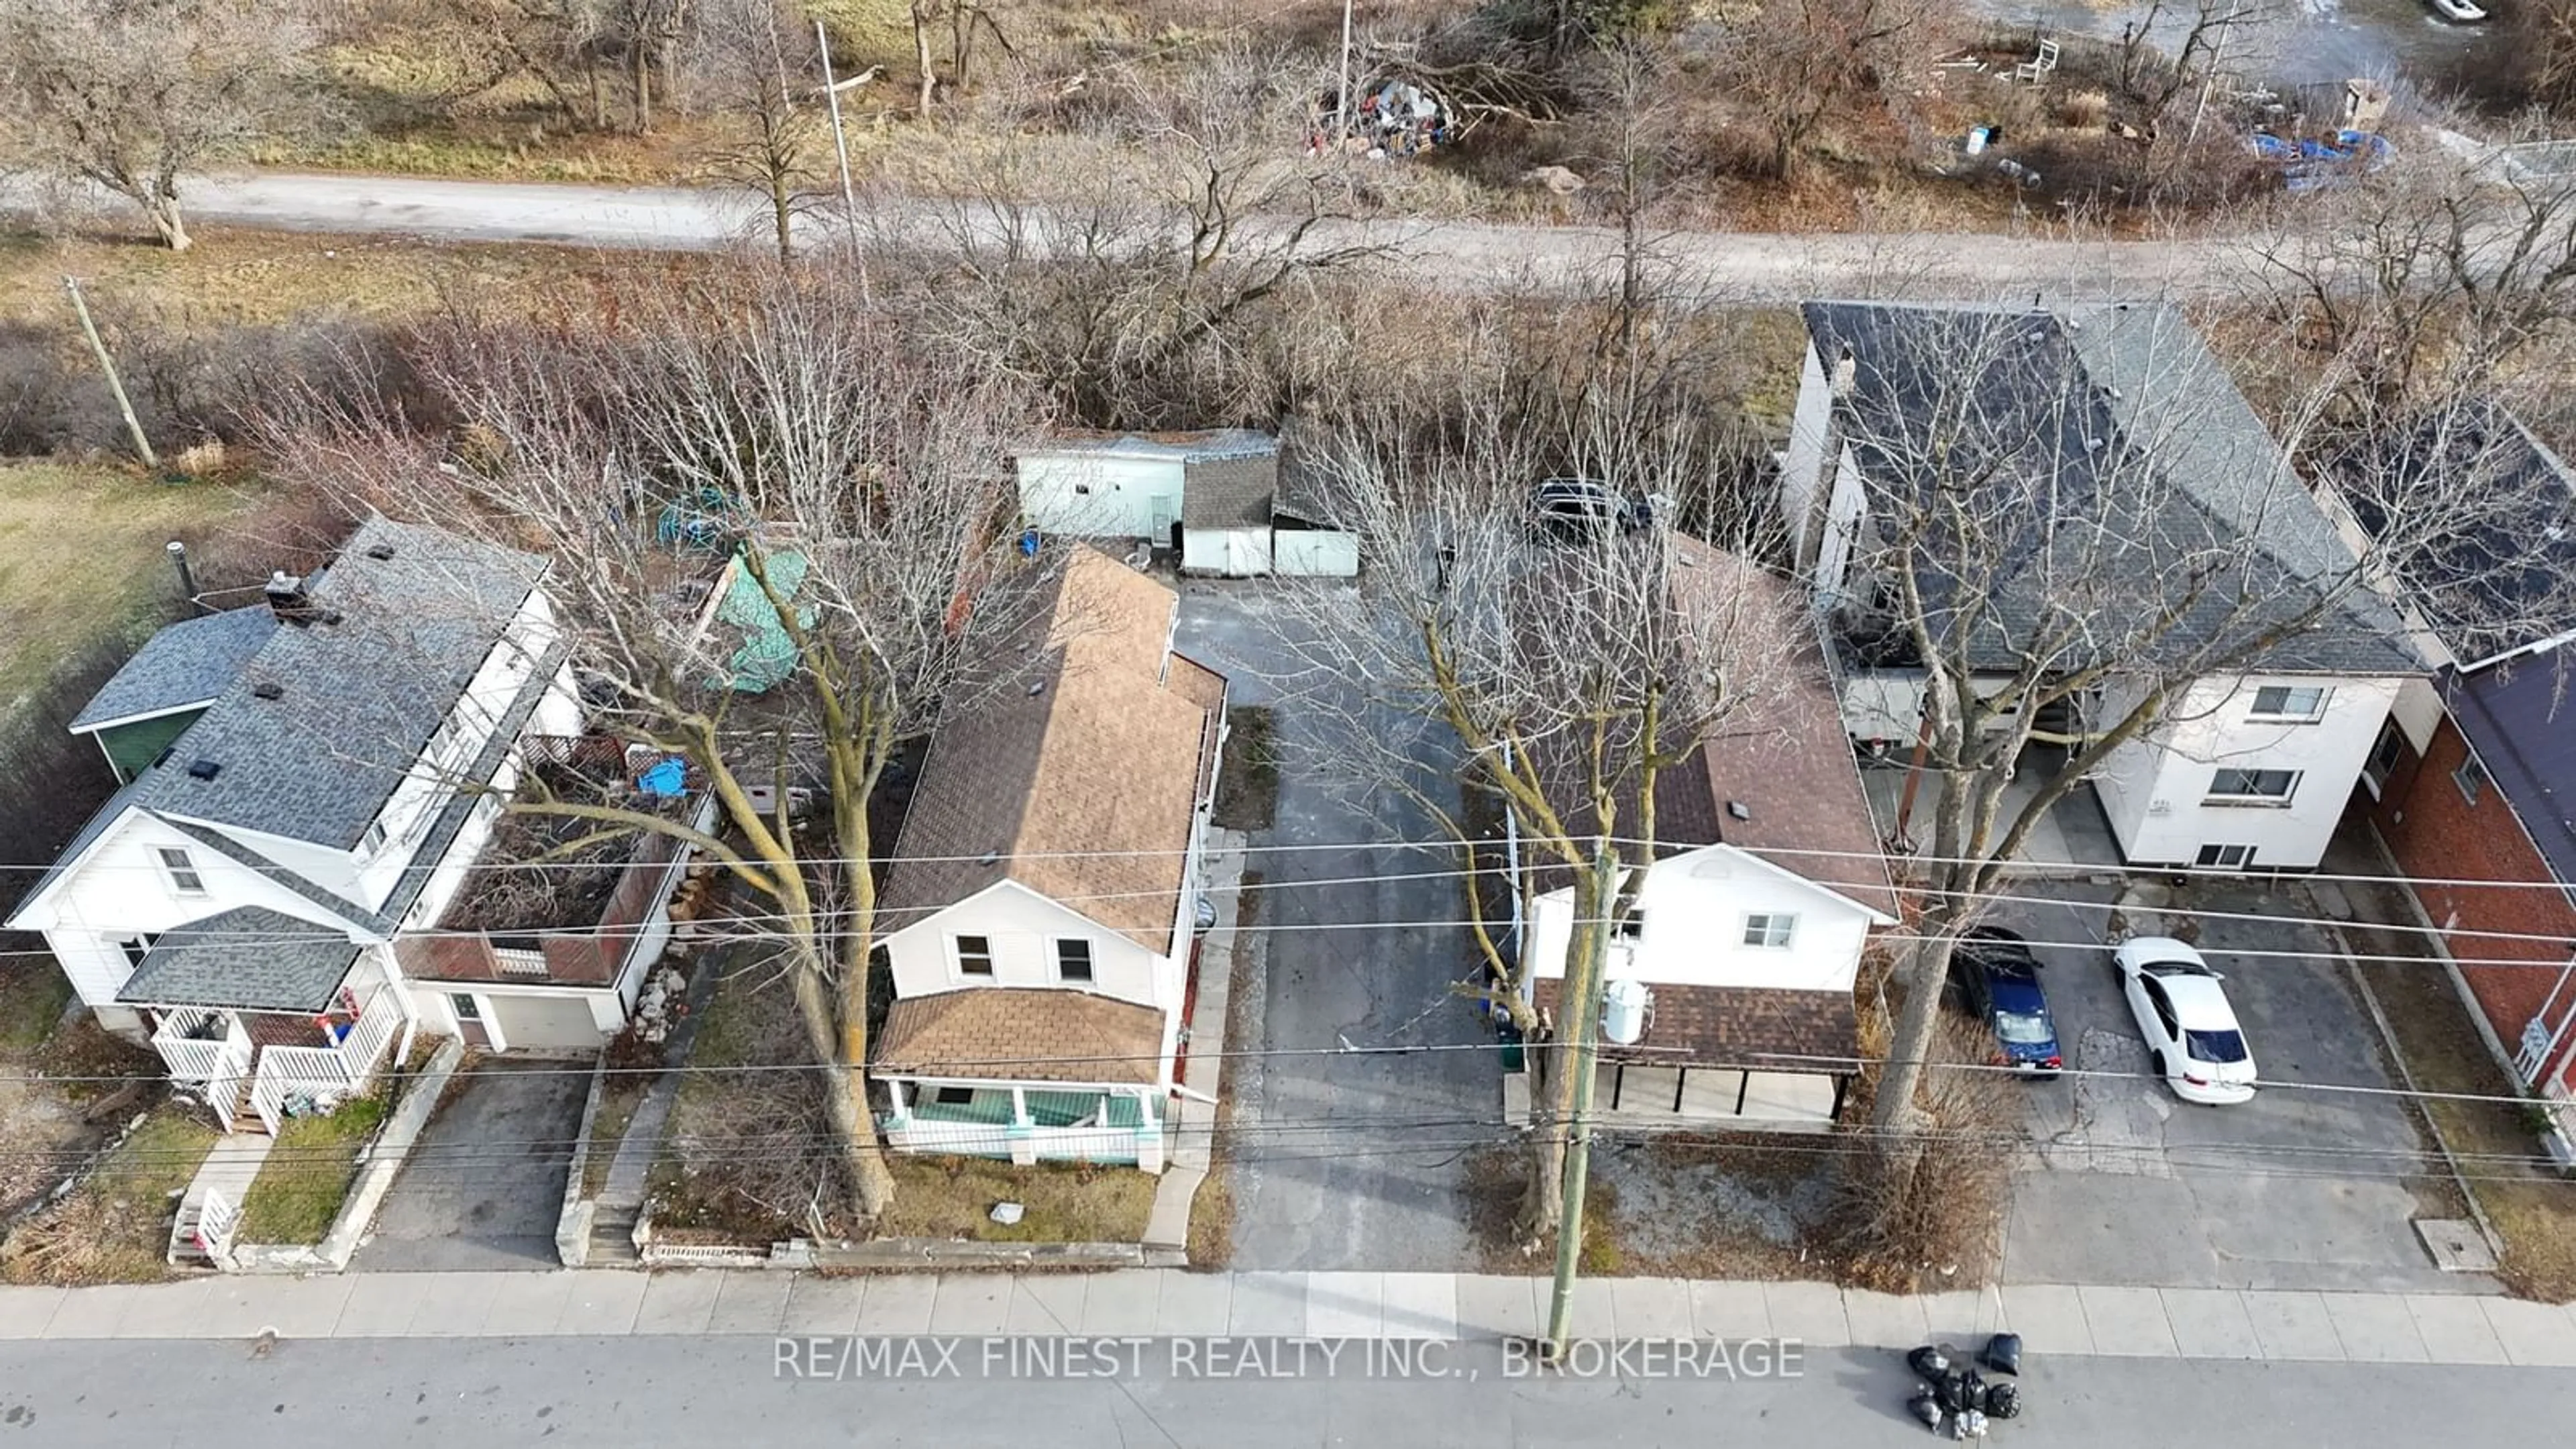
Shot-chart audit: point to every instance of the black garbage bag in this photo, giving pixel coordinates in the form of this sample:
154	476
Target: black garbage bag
2003	1401
1926	1408
2003	1354
1930	1363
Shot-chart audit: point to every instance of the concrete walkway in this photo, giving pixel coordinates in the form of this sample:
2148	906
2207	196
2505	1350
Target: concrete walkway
1158	1303
1194	1122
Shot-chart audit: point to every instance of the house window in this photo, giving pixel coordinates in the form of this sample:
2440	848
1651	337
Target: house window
372	841
1634	927
1073	960
136	947
974	956
2225	857
182	871
2253	787
2471	777
954	1096
1769	930
2290	701
2385	752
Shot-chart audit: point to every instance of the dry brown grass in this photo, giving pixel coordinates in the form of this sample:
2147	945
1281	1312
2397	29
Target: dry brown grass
1062	1202
1929	1212
115	1227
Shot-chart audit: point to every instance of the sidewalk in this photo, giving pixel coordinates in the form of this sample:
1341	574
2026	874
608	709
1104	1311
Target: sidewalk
1159	1303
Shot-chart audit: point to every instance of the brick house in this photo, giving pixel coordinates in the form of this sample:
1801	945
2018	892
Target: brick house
2473	779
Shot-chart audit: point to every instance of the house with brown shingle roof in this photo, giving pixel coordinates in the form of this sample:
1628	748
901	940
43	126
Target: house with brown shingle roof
1045	883
1729	999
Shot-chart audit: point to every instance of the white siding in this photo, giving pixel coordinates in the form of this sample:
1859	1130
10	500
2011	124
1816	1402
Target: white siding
1802	467
1234	553
1323	553
1100	495
2418	713
1695	904
2155	792
1023	927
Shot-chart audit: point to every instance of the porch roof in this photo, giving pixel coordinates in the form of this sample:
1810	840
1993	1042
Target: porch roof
1753	1028
1023	1034
246	959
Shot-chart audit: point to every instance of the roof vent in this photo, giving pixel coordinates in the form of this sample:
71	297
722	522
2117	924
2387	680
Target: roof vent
286	596
380	551
990	857
1739	810
268	689
205	769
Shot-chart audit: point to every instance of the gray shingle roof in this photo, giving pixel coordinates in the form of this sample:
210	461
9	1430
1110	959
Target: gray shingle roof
246	959
2120	415
1233	492
361	696
188	663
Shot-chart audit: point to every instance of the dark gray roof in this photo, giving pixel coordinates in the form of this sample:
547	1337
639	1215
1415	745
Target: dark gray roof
361	695
2522	722
246	959
188	663
1230	492
2177	496
2501	573
1189	447
459	808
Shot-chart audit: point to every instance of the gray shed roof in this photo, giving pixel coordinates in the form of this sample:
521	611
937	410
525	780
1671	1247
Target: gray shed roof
246	959
1199	445
189	663
1232	492
392	644
2125	417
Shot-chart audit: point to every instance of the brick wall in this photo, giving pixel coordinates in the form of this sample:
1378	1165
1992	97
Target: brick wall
2436	834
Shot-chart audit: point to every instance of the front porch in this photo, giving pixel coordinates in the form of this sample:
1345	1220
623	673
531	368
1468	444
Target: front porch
257	1068
1028	1122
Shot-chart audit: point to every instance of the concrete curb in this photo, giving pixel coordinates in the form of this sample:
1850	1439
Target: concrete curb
572	1225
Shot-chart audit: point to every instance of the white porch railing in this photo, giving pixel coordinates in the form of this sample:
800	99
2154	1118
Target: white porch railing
208	1050
216	1220
324	1076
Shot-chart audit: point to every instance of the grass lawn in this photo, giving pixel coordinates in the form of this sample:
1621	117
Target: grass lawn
2534	1210
300	1188
33	993
115	1228
953	1197
81	559
1247	784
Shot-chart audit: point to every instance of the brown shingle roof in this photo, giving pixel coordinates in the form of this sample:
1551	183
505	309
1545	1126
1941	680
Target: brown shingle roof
1753	1027
1083	782
1036	1034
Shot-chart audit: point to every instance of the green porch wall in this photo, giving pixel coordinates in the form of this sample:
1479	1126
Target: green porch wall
132	748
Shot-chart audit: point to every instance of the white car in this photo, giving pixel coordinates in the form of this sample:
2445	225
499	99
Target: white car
2464	11
2192	1037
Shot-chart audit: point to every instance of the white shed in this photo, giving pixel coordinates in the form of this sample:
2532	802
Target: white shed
1213	496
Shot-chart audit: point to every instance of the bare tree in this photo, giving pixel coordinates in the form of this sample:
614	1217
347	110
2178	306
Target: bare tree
1797	64
852	480
128	94
2155	73
2072	535
755	61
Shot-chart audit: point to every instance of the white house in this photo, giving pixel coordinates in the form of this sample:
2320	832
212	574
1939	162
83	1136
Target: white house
1213	496
1729	984
1040	908
2254	762
262	899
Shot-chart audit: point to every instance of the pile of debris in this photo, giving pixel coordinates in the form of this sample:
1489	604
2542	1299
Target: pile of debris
1393	117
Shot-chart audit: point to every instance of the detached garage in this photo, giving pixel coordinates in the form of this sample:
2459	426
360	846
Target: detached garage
1213	497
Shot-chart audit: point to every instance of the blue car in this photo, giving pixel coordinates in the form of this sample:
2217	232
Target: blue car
1999	977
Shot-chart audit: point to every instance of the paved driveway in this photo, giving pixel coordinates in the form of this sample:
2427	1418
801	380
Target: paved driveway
484	1184
1342	1161
2293	1190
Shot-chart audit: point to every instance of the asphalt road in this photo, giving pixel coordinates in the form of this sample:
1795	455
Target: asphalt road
637	1393
1345	1161
1727	265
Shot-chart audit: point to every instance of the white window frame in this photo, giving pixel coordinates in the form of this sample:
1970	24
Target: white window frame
180	873
2471	778
1769	930
2279	800
2217	857
134	947
957	954
2285	715
1090	960
373	842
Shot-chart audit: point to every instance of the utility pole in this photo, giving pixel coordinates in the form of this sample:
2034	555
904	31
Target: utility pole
840	142
1584	983
2209	74
107	365
1342	112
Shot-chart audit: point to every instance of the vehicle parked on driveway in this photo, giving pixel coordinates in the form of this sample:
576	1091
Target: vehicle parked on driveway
2193	1040
1999	977
1580	510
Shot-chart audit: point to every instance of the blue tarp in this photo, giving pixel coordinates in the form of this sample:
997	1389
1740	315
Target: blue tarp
665	780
